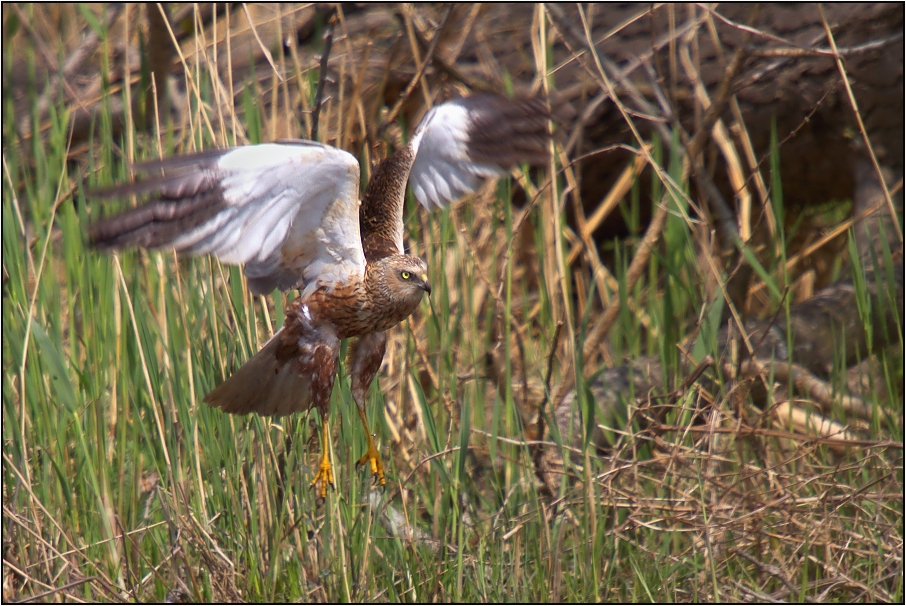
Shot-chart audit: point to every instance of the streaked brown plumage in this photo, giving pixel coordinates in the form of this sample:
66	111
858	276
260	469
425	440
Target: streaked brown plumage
290	213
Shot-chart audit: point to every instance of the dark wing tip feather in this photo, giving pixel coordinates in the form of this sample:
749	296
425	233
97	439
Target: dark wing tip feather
156	223
182	202
507	132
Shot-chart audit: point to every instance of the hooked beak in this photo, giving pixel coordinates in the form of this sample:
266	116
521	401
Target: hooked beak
426	285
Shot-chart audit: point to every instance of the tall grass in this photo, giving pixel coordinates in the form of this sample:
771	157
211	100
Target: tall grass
119	484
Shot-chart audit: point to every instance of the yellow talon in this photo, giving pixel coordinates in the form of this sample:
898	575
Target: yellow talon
325	477
325	471
374	460
371	456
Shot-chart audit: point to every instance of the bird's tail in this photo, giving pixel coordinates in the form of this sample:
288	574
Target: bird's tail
266	384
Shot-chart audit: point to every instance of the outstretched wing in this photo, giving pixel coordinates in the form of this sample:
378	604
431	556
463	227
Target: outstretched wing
288	211
461	142
455	147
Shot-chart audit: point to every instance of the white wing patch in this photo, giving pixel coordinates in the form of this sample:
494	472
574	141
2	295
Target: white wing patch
292	217
443	172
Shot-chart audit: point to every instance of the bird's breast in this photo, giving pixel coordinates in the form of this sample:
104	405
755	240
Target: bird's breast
354	311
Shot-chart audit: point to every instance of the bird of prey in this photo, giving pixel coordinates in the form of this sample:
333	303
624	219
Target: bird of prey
290	213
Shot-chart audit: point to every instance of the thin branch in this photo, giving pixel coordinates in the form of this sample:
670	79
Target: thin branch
743	431
871	152
432	46
322	77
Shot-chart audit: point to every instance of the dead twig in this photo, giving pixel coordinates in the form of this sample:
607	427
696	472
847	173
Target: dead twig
322	76
855	107
743	431
429	54
805	382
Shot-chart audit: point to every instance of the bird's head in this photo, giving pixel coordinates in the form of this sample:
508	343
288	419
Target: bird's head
397	284
408	276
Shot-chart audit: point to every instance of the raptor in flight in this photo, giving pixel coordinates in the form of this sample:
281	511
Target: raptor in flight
290	213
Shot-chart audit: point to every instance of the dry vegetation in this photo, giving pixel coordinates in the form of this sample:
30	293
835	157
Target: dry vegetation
675	240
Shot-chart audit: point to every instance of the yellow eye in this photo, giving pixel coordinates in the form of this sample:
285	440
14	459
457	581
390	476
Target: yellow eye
405	275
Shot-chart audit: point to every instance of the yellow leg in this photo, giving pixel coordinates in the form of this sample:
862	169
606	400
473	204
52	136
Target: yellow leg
325	472
371	456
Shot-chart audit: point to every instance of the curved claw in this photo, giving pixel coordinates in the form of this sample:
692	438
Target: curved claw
372	457
324	477
325	471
